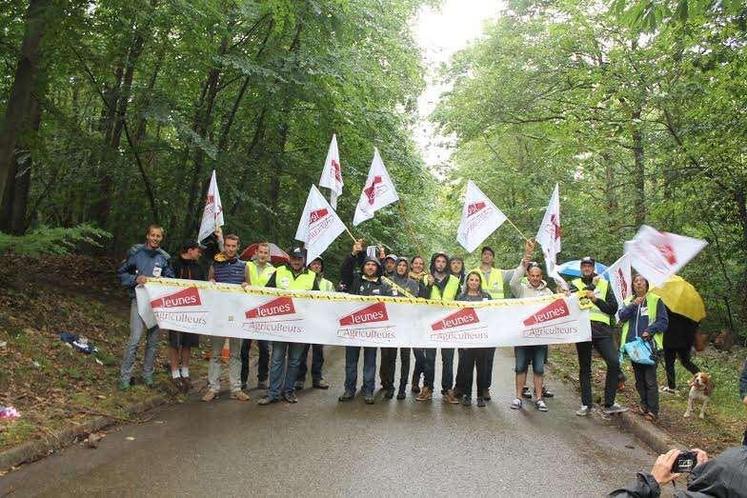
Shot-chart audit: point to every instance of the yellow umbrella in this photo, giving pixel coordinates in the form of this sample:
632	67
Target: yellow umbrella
681	297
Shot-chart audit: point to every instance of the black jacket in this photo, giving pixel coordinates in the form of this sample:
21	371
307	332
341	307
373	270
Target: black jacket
350	269
680	333
188	269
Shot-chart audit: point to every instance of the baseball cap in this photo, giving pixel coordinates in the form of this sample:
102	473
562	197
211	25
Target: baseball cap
587	260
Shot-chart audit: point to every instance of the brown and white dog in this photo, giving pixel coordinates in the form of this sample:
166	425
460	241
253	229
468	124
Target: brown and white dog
701	388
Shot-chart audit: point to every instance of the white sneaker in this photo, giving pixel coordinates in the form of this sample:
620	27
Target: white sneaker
609	410
516	404
583	411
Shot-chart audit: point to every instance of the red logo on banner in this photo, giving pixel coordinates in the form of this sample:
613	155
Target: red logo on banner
623	284
369	314
336	170
186	297
558	309
318	215
371	190
279	306
475	207
666	250
466	316
555	226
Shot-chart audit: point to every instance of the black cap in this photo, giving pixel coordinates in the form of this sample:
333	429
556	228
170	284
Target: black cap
488	248
297	252
587	260
191	244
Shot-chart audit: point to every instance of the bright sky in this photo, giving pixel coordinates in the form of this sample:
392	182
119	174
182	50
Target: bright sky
440	33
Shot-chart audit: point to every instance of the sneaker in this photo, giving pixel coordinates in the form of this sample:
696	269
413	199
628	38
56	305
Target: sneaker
320	384
240	395
299	385
466	401
123	386
262	384
401	394
450	398
668	390
426	394
583	411
267	401
346	396
615	408
389	393
486	394
541	406
516	404
546	393
210	395
481	402
290	397
415	389
369	399
526	393
148	380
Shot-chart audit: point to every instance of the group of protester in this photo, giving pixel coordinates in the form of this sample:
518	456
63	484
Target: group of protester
282	366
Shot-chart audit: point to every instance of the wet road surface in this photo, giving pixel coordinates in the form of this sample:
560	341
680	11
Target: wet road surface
320	447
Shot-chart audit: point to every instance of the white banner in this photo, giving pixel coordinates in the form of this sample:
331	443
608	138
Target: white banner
548	235
480	218
319	225
332	173
659	255
619	277
378	192
347	320
212	215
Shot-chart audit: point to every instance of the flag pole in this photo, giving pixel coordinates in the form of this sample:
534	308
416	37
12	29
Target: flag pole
517	229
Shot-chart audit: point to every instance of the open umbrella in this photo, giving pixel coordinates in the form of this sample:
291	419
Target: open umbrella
277	255
573	268
681	297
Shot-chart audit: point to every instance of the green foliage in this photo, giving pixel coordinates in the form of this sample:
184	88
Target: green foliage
58	240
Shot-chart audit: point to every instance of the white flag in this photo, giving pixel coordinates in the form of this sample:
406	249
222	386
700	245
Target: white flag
212	215
378	192
480	218
548	235
319	225
332	173
659	255
620	278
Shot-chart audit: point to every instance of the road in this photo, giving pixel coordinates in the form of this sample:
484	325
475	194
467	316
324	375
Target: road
321	447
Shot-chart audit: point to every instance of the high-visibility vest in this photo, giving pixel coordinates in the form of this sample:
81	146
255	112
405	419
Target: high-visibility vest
451	290
652	305
259	279
326	286
284	279
494	284
600	290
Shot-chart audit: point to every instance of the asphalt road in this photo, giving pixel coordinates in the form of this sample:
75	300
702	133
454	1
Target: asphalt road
319	447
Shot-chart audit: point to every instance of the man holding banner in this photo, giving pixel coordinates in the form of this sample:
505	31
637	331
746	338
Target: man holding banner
595	294
283	374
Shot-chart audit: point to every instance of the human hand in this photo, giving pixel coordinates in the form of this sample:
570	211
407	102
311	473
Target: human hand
702	455
219	232
244	285
529	246
638	300
141	279
645	334
358	246
662	469
590	295
430	279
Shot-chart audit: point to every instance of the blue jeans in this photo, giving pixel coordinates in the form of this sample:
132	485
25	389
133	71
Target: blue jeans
137	327
317	361
282	377
351	369
535	354
447	369
429	367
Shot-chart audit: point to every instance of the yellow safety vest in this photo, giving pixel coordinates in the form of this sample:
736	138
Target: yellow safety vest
326	286
257	278
284	279
494	284
652	305
451	290
600	290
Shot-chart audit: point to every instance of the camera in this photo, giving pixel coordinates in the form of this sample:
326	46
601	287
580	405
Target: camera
685	462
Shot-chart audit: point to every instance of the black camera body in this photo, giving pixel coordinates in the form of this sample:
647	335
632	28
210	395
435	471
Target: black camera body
685	462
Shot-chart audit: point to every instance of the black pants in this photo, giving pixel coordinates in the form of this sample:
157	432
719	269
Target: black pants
317	362
488	366
471	360
670	355
418	370
647	387
606	347
460	382
389	365
263	367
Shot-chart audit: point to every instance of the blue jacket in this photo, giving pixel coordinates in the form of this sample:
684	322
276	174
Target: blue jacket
642	324
143	261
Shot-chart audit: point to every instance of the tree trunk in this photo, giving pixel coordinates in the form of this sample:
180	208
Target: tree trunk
25	95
